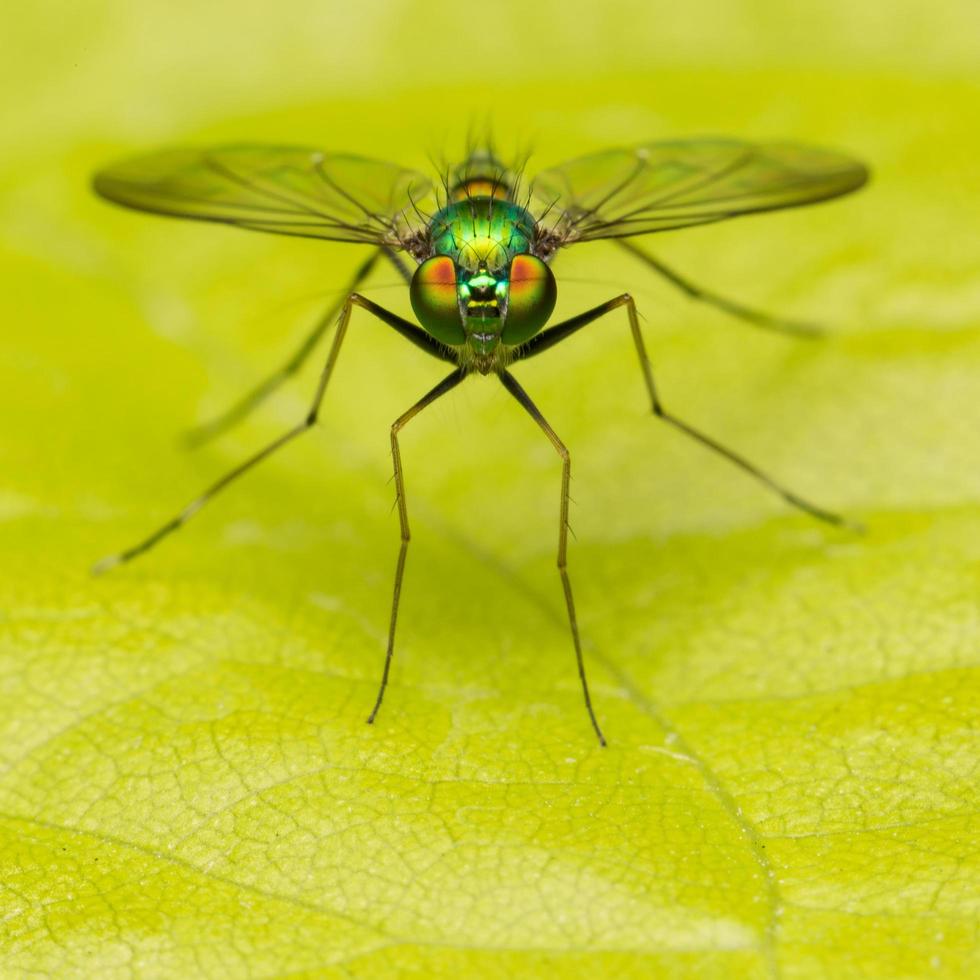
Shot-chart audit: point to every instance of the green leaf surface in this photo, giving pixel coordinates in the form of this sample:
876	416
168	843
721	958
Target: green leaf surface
187	785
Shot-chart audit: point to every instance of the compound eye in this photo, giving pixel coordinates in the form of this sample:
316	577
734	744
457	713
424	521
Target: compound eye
531	299
435	300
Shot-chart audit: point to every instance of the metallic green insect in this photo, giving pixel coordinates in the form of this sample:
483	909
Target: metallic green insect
482	243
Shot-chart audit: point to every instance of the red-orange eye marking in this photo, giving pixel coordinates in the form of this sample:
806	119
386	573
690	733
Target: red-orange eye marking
526	268
531	298
438	271
435	300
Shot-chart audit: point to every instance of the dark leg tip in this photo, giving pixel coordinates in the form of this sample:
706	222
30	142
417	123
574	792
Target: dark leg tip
106	564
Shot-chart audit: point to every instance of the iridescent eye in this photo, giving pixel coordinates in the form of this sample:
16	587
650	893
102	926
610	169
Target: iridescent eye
435	301
532	296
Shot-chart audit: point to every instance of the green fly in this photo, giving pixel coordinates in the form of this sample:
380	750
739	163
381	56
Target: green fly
475	249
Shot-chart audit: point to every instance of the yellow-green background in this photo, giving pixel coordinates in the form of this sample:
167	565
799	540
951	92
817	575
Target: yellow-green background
187	785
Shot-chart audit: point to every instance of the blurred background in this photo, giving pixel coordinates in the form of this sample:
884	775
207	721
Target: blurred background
121	330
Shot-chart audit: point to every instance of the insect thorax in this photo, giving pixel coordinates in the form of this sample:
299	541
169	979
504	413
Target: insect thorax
482	234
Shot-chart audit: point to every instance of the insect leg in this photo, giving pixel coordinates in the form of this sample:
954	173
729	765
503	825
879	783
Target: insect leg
554	335
447	384
404	327
757	318
510	383
249	402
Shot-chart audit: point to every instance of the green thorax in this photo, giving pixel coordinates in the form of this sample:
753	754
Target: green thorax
482	234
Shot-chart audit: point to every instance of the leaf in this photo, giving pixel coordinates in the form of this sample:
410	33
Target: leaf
187	785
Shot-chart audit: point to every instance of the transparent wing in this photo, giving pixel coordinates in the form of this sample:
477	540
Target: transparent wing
287	190
666	185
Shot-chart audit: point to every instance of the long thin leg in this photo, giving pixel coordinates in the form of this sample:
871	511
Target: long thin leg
510	383
447	384
766	321
561	331
249	402
407	329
